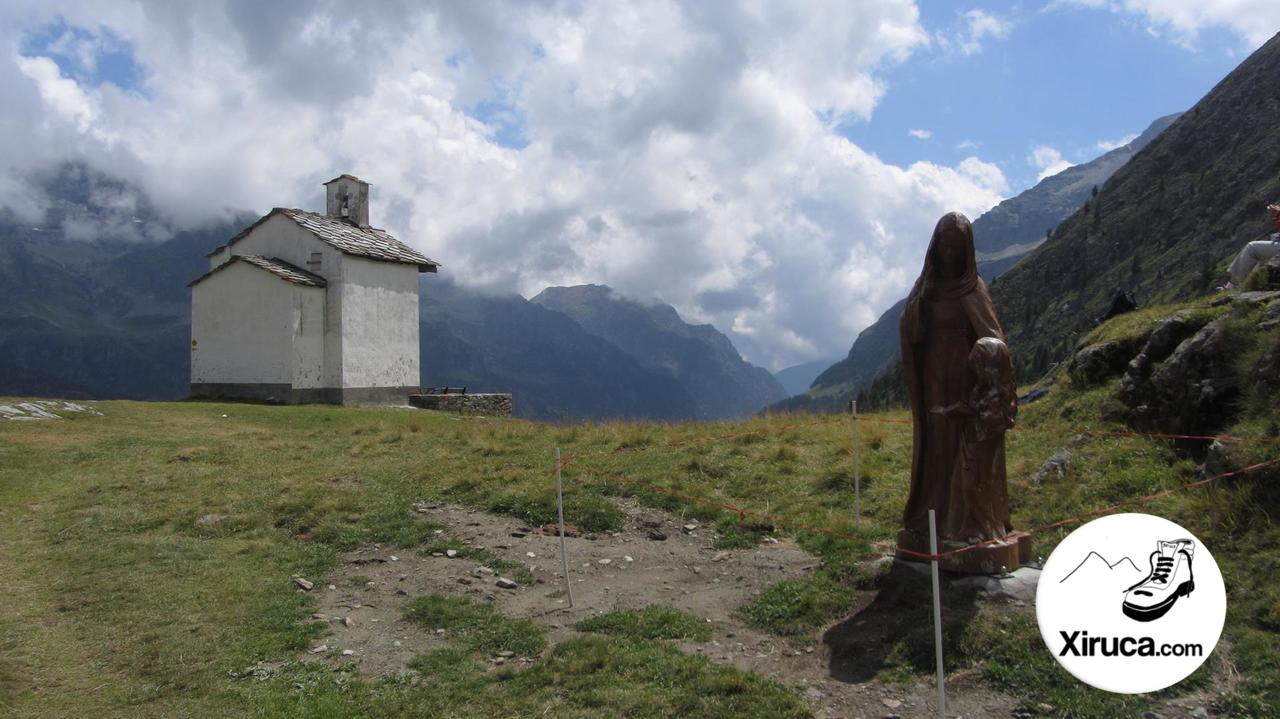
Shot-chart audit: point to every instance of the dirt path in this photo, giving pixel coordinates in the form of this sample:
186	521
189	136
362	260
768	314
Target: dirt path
366	599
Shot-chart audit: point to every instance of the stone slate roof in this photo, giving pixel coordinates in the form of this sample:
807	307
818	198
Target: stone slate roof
351	239
274	265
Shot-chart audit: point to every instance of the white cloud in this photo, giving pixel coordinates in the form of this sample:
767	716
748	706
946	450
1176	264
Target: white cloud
920	134
674	149
1109	145
1048	160
968	145
63	96
972	28
1254	21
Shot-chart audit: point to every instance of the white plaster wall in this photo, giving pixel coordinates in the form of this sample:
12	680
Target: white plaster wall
282	237
219	257
241	327
379	323
308	337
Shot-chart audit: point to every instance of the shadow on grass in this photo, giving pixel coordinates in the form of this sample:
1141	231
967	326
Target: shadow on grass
891	628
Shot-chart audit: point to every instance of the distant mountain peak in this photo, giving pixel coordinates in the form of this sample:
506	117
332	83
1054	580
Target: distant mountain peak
703	359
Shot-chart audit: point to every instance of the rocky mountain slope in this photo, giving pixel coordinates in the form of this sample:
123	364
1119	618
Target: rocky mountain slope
699	357
1003	236
1165	225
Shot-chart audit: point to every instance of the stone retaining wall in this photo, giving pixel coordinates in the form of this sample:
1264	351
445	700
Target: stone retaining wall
489	405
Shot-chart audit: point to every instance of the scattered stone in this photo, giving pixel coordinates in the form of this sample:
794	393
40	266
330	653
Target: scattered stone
530	555
505	583
506	654
519	535
656	535
394	558
690	527
1152	715
320	649
481	570
1056	466
626	558
304	584
605	561
1200	713
318	615
402	592
696	569
463	580
499	660
451	553
43	409
348	652
770	540
348	622
210	519
553	529
720	556
891	703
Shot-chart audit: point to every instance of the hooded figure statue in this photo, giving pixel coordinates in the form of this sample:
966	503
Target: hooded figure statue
959	377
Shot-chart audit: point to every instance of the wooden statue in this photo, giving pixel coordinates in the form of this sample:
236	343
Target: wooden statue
959	377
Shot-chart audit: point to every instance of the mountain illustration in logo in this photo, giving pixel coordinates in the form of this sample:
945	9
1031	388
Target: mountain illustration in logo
1147	595
1095	569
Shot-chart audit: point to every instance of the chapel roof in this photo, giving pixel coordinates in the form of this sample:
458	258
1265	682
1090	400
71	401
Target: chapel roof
274	265
346	237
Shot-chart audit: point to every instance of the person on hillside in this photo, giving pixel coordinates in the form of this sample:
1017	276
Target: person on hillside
1255	253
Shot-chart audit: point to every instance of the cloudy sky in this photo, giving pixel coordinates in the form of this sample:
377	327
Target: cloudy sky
771	167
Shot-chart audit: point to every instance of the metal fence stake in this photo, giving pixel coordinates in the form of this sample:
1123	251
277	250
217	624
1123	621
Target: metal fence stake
937	617
564	558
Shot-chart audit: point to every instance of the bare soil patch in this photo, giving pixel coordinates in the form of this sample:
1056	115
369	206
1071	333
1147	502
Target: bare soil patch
365	600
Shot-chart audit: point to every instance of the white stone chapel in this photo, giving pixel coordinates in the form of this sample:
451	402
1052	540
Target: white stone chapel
304	307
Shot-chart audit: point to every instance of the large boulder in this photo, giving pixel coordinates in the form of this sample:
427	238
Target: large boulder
1195	390
1101	360
1265	276
1264	376
1135	384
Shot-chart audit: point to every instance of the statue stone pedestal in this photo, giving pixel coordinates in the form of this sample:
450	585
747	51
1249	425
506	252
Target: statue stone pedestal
1010	552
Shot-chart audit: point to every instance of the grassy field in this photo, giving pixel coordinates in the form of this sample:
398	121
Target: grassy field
118	599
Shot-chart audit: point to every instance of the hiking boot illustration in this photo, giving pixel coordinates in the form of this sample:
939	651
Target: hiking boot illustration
1170	578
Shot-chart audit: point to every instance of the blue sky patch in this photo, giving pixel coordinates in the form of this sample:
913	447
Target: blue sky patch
506	120
1064	76
90	57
